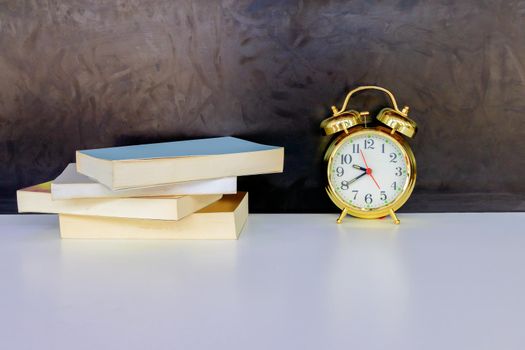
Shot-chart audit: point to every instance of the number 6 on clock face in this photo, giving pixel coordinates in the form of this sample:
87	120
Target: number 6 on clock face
370	172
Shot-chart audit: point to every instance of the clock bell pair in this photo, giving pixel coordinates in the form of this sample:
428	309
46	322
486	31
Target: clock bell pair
371	169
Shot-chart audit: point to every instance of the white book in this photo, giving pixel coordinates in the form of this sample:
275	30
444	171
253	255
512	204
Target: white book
37	199
71	184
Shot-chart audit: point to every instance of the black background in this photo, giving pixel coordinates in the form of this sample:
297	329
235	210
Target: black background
87	74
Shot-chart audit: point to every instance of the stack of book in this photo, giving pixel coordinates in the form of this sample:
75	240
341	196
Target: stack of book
169	190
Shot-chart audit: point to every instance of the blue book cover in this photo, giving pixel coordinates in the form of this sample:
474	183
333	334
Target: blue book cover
189	148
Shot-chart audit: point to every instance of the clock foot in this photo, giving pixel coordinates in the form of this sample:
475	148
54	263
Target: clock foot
342	216
394	217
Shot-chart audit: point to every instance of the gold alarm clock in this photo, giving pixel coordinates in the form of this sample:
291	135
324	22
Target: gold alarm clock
371	170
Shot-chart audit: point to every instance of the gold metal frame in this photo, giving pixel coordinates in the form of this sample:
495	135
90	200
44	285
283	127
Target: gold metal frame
394	118
367	87
376	212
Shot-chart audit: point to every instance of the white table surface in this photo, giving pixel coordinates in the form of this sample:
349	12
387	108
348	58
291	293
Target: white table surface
437	281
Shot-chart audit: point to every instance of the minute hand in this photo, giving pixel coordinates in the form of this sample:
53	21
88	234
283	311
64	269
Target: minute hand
356	178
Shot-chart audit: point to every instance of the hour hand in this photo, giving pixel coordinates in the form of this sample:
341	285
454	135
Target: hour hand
355	166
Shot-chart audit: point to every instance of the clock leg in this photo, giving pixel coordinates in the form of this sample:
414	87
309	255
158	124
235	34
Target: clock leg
394	217
342	216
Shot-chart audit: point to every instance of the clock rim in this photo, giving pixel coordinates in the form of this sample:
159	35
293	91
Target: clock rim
401	199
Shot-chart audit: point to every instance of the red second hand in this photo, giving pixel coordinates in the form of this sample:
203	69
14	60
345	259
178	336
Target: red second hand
369	170
364	160
372	176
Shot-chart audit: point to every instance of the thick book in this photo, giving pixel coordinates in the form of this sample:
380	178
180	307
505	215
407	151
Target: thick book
178	161
37	199
71	184
223	219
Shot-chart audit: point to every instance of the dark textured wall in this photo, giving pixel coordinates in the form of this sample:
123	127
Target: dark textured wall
84	74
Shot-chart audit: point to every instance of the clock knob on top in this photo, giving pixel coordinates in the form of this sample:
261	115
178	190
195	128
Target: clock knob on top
398	121
344	121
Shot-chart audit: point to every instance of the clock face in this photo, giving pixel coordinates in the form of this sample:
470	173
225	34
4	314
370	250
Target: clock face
369	170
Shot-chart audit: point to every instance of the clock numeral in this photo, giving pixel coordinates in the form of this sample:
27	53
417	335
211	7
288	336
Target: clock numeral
355	193
340	171
369	144
344	185
399	171
346	159
383	196
368	198
355	148
393	157
394	185
383	148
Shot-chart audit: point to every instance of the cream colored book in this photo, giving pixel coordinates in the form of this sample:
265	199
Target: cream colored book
223	219
171	162
37	199
71	184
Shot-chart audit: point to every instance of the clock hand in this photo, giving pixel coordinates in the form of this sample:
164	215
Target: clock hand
355	166
356	178
364	160
369	170
372	176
